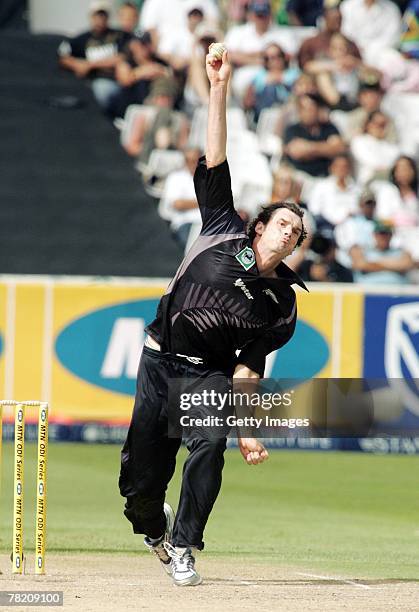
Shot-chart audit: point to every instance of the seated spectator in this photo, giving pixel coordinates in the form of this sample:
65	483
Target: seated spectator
285	185
310	144
196	92
166	129
179	205
338	74
357	230
316	47
166	19
177	49
400	75
320	264
128	15
304	12
287	188
95	54
272	84
246	43
335	198
404	175
400	205
381	264
373	153
305	84
371	24
135	74
370	97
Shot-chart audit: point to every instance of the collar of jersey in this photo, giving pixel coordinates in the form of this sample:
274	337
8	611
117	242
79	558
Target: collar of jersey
285	274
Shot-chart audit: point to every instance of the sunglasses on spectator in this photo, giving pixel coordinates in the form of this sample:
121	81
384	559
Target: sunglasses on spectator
273	56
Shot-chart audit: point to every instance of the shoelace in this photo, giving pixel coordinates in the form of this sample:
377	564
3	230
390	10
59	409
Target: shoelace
184	558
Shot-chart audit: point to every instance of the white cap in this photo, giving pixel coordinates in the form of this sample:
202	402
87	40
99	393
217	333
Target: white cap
99	5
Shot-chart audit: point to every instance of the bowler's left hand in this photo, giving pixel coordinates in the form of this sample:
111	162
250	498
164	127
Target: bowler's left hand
253	451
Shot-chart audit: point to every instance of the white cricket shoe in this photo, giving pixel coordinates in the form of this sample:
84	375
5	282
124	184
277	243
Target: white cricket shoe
157	546
183	566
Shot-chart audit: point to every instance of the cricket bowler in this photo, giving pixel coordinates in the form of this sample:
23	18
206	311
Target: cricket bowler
231	293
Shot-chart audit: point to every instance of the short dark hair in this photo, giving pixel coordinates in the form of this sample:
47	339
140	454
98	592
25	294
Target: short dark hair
266	213
129	5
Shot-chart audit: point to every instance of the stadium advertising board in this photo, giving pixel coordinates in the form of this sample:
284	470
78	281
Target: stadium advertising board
77	344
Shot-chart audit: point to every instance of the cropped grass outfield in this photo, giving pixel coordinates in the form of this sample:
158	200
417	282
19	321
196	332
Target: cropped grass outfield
346	513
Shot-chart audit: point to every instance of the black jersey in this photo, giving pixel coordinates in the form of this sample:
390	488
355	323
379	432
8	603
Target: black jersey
218	303
95	47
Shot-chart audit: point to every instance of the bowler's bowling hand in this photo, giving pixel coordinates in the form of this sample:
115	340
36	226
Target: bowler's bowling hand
253	451
218	70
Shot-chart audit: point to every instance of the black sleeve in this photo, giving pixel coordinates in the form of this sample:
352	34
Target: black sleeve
331	130
123	41
253	355
215	200
290	133
75	47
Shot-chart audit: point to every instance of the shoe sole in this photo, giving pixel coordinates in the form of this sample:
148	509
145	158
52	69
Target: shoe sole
170	521
194	581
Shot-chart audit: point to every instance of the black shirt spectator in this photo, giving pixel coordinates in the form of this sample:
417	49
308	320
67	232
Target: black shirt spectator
310	144
321	265
95	53
304	12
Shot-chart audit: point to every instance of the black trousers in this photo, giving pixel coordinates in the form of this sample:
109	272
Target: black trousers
149	453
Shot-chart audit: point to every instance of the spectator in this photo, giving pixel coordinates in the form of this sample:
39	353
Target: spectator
135	74
338	74
179	205
320	264
404	175
196	92
304	12
335	198
287	188
400	205
317	46
272	84
357	230
373	153
128	17
305	84
246	43
370	97
371	24
165	19
400	75
381	264
310	144
166	129
94	54
176	47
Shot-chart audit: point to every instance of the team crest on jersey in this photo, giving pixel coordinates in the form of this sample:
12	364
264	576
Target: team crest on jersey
246	258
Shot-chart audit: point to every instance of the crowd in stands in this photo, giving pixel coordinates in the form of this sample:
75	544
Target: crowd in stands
323	111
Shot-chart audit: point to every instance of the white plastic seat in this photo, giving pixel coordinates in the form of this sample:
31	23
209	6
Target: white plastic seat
131	115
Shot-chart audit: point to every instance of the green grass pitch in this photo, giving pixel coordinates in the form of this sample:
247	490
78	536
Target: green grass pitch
344	513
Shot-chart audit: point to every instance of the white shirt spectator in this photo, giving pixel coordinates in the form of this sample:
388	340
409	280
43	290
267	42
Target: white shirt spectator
179	186
245	39
355	231
165	16
332	202
376	25
372	156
